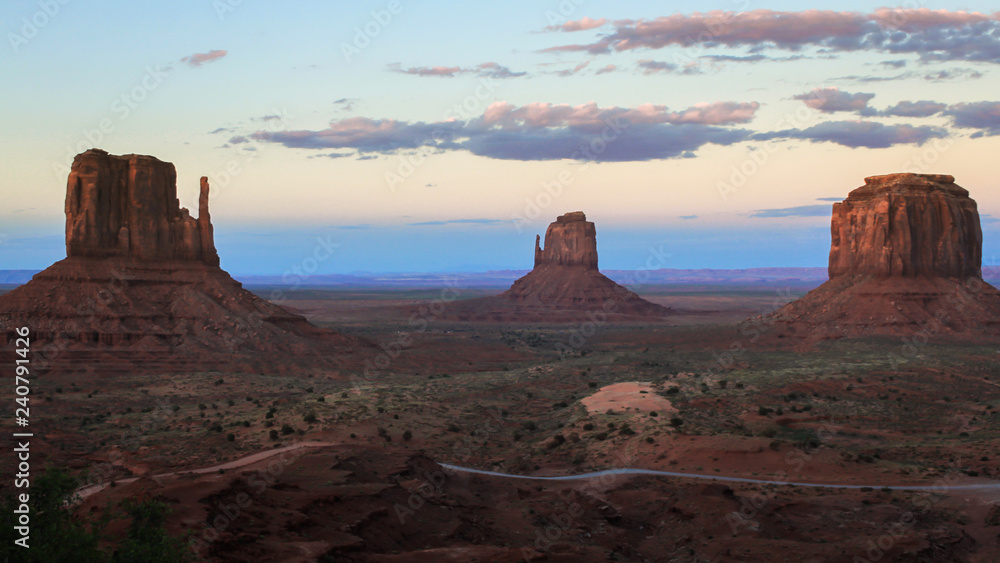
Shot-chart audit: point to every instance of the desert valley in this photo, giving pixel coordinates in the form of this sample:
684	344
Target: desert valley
565	419
546	282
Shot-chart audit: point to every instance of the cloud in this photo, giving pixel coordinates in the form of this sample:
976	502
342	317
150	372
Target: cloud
818	210
494	70
830	100
581	24
606	69
899	63
221	130
574	70
539	114
856	134
933	35
923	108
688	217
459	222
449	71
977	115
238	139
953	74
199	59
346	104
856	78
486	70
541	131
653	67
830	199
333	155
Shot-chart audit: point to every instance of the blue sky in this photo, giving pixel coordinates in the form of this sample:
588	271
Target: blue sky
448	135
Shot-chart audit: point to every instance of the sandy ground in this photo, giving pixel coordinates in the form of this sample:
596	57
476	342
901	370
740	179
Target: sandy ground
632	395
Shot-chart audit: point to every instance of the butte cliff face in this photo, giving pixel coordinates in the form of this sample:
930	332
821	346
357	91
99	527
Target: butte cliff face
564	285
570	241
141	284
907	225
127	206
905	258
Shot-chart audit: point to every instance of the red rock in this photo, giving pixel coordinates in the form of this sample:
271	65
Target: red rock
907	225
142	287
570	241
127	206
905	259
564	285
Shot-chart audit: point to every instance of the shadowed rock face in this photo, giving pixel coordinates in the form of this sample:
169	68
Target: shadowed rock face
907	225
127	206
905	259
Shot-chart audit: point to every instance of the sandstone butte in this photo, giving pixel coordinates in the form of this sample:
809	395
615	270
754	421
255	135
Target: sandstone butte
905	260
564	285
141	284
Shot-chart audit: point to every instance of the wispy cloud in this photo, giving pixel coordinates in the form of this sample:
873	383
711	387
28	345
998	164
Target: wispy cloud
199	59
487	70
459	222
648	66
817	210
581	24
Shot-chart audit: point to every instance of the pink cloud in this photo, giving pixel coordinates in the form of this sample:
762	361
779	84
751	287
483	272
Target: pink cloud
830	100
931	34
581	24
199	59
540	114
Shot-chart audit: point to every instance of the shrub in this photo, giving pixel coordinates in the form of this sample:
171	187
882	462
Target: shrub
273	434
287	429
230	437
309	418
407	435
676	422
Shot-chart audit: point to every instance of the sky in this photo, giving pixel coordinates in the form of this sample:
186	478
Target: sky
402	136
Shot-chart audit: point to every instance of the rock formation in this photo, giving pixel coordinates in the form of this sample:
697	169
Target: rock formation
142	282
905	258
907	225
570	241
564	285
127	206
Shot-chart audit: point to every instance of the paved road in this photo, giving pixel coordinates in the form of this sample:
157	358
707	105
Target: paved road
89	490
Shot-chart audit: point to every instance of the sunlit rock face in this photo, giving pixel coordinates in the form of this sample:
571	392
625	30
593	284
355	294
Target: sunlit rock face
907	225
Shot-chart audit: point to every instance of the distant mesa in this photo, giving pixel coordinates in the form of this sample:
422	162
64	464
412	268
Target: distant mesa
905	259
141	283
564	285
